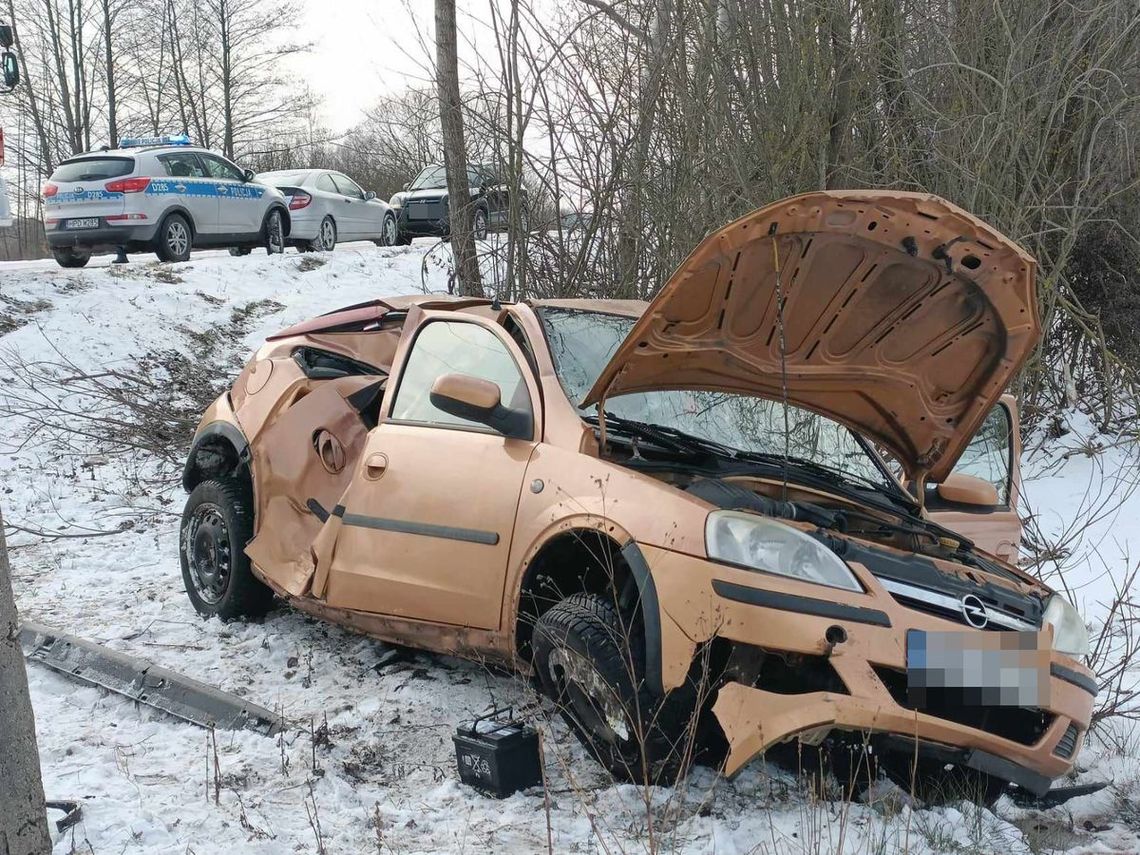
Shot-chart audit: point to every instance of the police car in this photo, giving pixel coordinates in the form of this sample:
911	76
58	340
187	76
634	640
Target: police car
161	194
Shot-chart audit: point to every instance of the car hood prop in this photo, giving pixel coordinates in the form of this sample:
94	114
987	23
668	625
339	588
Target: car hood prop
904	318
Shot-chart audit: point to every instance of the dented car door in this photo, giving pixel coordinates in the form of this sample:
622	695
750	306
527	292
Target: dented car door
306	456
424	528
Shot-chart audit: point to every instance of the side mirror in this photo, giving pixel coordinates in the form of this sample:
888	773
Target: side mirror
7	36
477	400
369	196
9	69
408	185
962	489
249	175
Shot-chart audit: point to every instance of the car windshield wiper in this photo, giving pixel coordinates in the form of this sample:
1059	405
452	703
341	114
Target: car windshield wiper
664	438
670	438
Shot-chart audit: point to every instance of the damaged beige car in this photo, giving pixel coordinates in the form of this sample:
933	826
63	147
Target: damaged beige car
675	515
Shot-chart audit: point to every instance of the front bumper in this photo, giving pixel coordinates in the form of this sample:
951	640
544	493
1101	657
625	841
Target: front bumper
421	227
688	601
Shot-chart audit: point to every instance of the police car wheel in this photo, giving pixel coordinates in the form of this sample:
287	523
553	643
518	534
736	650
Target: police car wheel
174	239
71	257
274	233
238	251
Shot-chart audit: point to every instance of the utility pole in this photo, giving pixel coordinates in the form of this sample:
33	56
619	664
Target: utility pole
23	816
460	211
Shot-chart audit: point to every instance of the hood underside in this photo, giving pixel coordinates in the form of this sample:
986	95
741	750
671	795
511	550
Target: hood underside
904	317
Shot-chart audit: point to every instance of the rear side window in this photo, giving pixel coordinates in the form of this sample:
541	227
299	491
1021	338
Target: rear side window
93	168
182	165
325	183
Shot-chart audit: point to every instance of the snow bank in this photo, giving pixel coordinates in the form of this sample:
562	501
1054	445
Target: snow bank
380	771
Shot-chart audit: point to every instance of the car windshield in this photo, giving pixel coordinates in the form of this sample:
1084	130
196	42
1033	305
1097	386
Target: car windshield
432	178
582	342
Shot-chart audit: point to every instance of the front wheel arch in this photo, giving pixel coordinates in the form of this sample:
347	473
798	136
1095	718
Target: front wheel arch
219	449
574	558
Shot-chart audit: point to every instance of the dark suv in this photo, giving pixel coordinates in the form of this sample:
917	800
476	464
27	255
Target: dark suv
421	207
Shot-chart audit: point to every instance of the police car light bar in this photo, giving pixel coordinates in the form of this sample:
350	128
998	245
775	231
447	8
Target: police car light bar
167	139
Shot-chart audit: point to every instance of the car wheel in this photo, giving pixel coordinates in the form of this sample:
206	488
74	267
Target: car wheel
238	251
216	525
274	233
480	228
326	236
590	662
388	233
174	239
71	257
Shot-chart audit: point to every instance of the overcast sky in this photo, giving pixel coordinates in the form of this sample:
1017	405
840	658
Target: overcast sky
366	48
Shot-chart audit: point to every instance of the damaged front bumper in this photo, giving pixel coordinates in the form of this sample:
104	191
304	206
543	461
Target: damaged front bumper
839	665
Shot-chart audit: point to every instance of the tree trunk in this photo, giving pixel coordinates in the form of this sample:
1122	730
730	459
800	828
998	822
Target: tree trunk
23	817
460	209
839	25
112	105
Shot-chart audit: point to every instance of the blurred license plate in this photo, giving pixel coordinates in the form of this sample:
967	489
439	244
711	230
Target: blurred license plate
86	223
977	669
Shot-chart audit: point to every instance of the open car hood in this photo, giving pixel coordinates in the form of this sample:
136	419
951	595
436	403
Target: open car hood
904	318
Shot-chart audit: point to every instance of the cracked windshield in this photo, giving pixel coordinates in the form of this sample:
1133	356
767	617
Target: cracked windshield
582	342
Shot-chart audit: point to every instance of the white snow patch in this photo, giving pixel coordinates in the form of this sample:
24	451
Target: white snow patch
385	778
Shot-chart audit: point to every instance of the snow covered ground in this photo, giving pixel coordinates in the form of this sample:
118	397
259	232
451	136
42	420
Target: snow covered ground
380	777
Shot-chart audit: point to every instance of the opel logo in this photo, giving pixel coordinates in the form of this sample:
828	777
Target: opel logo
974	611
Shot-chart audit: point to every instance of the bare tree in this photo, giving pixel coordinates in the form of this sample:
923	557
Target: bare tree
23	817
454	151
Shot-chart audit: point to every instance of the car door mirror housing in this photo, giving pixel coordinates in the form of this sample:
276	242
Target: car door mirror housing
9	69
477	400
369	196
249	175
408	186
962	489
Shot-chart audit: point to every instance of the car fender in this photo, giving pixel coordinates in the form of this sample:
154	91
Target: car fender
222	432
181	211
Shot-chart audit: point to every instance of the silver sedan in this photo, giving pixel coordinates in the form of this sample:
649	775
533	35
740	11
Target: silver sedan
326	207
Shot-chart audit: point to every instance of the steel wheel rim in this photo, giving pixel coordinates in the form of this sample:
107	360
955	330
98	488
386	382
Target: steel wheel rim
328	238
208	553
586	697
176	238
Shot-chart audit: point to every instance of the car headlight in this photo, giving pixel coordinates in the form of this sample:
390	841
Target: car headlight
1070	635
396	201
759	543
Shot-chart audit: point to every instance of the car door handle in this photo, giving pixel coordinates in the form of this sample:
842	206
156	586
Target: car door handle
375	466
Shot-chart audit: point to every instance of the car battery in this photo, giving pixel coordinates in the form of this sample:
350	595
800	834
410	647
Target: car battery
497	754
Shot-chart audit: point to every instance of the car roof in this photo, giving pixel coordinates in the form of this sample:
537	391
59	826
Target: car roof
632	308
148	149
297	175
